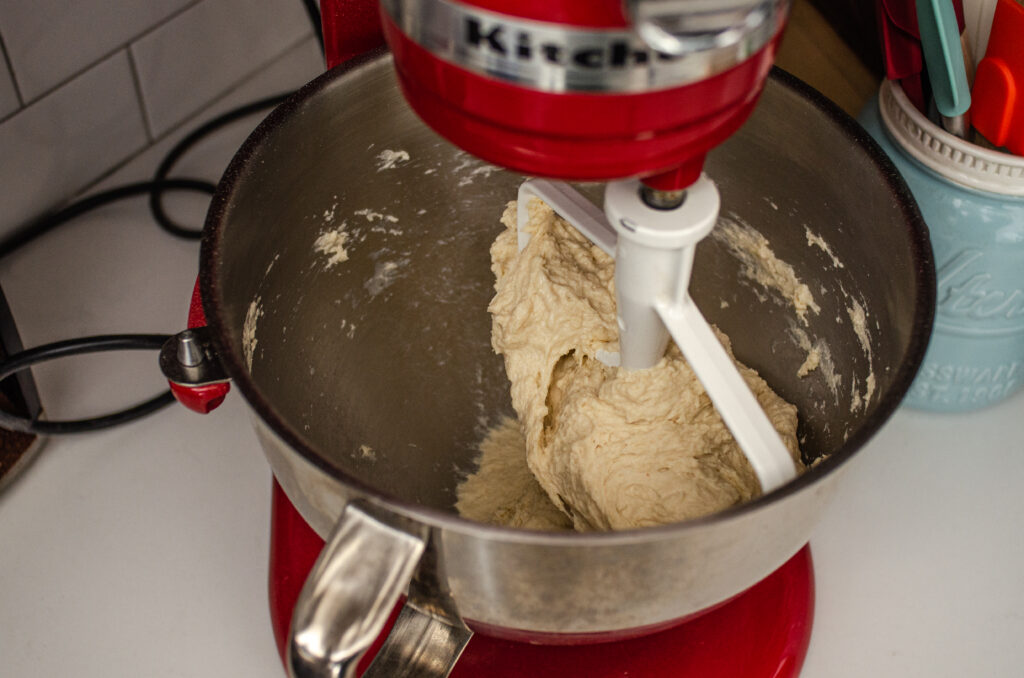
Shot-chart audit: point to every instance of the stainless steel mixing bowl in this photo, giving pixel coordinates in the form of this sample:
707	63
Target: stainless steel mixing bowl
372	380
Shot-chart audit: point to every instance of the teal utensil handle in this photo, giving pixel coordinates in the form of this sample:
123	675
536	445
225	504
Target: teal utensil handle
943	57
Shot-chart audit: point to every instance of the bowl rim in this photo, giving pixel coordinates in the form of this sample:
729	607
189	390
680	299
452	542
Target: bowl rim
210	288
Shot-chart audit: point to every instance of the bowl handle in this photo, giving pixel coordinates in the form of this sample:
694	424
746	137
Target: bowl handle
363	570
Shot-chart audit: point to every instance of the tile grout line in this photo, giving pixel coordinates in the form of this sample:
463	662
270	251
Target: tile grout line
139	98
99	60
238	84
10	70
193	118
26	106
105	55
166	20
152	136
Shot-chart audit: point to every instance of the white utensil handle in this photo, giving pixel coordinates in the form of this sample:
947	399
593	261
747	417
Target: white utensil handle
728	391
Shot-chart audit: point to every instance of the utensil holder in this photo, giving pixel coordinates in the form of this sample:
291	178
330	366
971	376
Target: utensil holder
972	199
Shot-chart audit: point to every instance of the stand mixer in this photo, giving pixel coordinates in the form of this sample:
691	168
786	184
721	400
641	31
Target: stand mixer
369	437
599	91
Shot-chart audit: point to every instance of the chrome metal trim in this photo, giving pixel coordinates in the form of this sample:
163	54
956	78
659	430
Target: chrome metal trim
190	358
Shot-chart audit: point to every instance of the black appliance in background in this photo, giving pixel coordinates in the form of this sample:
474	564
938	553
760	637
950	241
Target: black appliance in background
855	22
18	396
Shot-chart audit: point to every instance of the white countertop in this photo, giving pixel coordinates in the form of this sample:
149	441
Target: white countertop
142	550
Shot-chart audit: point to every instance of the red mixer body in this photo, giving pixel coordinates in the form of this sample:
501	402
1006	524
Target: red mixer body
556	89
350	27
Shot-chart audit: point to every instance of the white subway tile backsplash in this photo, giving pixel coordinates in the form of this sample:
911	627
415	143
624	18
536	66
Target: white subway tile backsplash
293	69
188	61
49	41
210	157
62	142
8	95
75	88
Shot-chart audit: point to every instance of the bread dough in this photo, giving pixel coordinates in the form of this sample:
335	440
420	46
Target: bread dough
503	491
611	448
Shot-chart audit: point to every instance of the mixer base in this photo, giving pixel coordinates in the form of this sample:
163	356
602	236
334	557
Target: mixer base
761	633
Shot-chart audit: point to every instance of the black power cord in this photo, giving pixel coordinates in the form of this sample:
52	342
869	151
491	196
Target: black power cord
156	189
159	185
61	349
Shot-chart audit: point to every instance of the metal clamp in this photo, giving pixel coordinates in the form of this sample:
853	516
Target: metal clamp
190	359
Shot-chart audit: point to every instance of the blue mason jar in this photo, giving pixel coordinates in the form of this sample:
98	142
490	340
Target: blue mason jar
972	199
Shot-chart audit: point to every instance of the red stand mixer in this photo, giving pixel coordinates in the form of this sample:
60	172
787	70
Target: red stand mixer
583	91
368	440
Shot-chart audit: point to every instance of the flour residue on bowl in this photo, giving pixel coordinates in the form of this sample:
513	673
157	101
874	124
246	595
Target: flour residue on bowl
249	341
367	453
759	264
329	212
819	358
815	240
860	395
389	159
382	222
331	243
870	387
384	275
810	363
373	216
471	167
271	265
859	400
482	171
858	319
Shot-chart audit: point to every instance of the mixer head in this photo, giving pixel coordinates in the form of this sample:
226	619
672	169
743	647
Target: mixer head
596	90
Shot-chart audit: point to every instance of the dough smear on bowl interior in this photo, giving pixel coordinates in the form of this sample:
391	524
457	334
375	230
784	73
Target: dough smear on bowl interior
610	448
